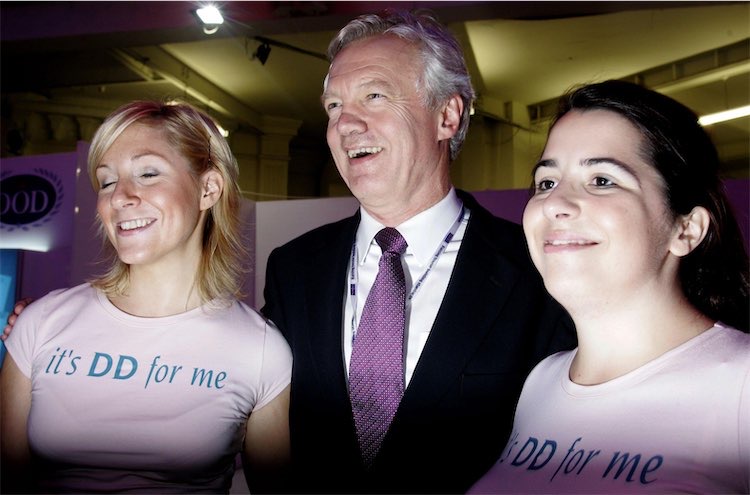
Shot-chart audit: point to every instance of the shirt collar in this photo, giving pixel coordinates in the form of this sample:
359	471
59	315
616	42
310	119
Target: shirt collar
423	232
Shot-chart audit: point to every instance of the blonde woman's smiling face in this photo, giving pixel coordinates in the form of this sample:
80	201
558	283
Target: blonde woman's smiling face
148	199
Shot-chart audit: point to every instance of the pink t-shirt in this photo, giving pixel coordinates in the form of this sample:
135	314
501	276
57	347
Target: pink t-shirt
126	403
679	424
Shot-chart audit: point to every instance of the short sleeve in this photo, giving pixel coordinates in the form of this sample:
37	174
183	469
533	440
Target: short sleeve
743	438
22	342
276	368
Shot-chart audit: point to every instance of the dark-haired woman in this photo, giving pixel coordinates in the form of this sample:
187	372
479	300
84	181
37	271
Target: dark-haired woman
630	228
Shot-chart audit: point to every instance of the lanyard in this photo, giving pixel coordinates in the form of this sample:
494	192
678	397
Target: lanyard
354	272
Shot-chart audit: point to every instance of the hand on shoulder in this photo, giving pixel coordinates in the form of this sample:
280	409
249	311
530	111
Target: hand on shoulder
17	309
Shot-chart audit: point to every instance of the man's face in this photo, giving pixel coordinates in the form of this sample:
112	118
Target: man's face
390	149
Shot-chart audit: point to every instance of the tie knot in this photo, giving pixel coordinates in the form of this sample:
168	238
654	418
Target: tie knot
390	240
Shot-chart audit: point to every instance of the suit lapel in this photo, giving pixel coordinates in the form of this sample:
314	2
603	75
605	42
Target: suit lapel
324	295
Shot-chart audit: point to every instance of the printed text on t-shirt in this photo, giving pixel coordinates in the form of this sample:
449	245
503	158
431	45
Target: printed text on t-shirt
124	367
544	456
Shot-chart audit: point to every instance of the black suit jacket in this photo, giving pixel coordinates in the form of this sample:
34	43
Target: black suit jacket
495	323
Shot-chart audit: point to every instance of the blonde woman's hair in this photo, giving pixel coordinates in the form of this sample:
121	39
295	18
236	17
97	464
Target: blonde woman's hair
196	137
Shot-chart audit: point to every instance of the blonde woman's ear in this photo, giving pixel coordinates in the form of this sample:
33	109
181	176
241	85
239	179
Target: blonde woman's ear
691	229
212	185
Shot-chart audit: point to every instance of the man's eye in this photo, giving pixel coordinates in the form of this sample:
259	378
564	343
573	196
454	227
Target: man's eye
149	175
374	96
332	105
105	184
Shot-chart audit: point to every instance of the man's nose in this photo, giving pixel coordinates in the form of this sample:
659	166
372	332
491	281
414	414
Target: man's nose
350	122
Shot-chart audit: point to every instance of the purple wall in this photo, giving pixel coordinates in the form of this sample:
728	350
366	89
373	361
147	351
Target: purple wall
738	191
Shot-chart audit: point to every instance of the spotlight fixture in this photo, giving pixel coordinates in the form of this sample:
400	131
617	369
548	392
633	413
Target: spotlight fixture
211	18
262	53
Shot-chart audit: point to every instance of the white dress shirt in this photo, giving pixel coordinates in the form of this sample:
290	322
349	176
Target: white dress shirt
424	234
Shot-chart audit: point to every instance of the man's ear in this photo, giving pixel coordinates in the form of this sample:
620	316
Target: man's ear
690	230
212	185
450	118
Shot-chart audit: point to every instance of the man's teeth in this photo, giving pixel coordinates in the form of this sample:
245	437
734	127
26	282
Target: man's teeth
134	224
364	151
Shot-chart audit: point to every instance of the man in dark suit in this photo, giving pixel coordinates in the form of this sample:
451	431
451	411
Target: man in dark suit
478	318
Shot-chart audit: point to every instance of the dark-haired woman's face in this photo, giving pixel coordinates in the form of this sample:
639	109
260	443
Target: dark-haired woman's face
597	225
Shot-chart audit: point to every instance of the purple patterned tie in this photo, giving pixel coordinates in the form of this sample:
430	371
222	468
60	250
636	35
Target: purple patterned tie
376	370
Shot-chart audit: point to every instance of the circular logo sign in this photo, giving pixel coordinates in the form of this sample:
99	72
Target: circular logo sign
27	199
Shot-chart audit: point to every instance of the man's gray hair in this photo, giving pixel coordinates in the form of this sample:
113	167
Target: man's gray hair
445	72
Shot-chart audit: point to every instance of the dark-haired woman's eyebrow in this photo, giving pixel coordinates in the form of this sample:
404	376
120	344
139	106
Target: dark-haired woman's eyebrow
543	163
612	161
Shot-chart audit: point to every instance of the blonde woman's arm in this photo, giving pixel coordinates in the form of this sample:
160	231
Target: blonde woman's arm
266	456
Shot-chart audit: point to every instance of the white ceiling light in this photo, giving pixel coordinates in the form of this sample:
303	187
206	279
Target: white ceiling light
734	113
211	18
210	15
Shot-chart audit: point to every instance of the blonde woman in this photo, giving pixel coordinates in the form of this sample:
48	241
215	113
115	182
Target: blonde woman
152	377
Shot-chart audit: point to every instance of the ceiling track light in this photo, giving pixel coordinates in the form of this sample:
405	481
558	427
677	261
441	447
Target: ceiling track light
264	49
210	17
262	53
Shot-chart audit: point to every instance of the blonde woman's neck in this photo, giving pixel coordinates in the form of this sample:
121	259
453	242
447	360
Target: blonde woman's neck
160	292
